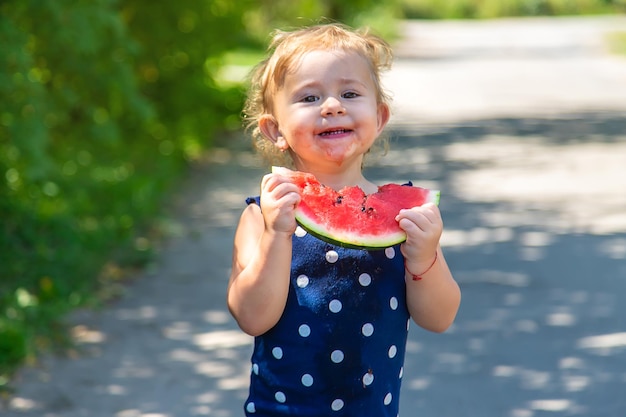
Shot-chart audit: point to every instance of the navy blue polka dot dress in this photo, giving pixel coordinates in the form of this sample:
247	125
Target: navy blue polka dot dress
338	349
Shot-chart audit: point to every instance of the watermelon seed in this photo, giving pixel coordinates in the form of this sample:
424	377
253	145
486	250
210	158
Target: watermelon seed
339	199
368	210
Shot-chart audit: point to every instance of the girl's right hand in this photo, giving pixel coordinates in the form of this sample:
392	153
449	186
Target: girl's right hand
279	199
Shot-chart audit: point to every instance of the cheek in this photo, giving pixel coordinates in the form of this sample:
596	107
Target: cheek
296	136
298	126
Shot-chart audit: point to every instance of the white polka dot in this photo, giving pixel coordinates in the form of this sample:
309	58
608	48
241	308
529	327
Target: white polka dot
302	281
368	378
255	368
280	397
336	356
390	253
304	330
335	306
250	408
365	279
393	303
307	380
367	329
388	398
332	256
337	405
277	352
401	373
393	350
300	232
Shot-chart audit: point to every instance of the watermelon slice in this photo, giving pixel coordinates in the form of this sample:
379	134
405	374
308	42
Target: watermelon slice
351	218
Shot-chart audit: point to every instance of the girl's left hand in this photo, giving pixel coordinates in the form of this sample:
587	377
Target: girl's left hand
423	226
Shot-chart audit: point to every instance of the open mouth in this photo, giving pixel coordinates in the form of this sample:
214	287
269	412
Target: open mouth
335	132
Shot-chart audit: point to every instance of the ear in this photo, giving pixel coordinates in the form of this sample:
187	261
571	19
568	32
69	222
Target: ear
269	127
383	116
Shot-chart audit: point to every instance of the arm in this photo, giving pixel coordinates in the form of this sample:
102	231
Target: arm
259	281
434	300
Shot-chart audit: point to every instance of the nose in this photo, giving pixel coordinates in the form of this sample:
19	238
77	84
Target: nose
332	106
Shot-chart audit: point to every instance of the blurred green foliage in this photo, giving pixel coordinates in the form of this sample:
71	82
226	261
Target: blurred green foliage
103	104
484	9
72	122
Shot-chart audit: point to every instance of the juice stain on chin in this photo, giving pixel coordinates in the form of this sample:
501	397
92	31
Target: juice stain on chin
331	156
338	153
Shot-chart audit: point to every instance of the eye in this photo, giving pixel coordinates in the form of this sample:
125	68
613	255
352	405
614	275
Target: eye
350	94
309	99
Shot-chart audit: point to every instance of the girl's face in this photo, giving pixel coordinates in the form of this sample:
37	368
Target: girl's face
326	111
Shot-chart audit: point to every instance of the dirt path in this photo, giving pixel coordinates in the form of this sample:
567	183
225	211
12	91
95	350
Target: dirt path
521	123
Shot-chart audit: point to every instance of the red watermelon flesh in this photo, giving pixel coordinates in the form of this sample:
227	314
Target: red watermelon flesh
351	218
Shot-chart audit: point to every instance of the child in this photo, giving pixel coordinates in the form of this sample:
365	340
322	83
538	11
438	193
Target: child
330	323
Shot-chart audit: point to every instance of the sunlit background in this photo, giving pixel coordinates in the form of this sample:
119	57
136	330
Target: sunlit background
124	171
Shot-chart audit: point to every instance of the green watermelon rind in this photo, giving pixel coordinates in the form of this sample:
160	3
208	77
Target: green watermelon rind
357	242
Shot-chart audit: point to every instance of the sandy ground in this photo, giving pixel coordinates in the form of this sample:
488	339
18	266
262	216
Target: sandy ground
521	124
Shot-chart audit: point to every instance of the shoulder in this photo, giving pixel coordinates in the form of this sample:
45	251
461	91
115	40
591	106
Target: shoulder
251	223
247	234
251	217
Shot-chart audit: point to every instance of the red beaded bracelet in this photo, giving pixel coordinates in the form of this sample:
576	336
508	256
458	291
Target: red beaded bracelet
419	276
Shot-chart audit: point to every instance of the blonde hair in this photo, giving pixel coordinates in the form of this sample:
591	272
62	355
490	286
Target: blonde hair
285	49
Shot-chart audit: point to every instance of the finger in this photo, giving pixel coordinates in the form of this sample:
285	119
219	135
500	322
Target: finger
414	215
408	226
269	182
275	183
285	188
430	212
416	224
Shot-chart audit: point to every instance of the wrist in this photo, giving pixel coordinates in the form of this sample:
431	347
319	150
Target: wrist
276	237
421	268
